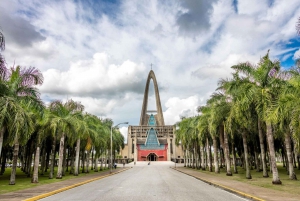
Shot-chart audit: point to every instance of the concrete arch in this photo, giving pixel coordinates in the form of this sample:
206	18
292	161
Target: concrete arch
144	116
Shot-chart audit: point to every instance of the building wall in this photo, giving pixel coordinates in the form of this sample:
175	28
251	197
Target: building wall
137	135
131	152
162	154
124	152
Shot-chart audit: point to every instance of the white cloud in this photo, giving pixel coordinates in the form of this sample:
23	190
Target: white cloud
177	108
102	58
124	132
97	77
297	54
98	84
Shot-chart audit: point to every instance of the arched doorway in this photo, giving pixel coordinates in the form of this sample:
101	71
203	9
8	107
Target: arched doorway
152	157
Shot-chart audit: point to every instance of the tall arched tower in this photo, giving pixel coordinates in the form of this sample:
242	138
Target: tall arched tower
152	140
159	116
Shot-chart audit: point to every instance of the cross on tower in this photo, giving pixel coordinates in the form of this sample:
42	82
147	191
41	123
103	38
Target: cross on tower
151	66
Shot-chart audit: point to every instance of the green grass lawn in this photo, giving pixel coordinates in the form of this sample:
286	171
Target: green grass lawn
290	186
23	182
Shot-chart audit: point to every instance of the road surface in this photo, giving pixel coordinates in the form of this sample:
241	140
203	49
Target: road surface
156	182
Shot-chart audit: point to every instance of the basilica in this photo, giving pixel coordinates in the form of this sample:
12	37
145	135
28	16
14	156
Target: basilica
151	140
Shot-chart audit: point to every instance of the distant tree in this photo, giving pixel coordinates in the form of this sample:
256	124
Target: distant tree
2	41
2	61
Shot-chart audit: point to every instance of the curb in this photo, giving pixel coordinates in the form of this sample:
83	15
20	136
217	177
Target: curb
72	186
245	195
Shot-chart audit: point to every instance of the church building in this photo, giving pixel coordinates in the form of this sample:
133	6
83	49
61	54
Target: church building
152	140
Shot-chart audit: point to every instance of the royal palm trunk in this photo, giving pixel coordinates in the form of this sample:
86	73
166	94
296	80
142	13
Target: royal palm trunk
14	163
30	167
101	166
208	155
77	157
227	158
216	160
234	159
61	157
28	171
87	170
72	158
43	159
294	158
248	174
1	138
221	135
52	159
185	158
3	161
199	157
284	160
270	138
92	166
194	158
47	161
202	157
64	159
262	150
83	161
287	140
256	161
96	162
23	161
189	156
105	161
35	177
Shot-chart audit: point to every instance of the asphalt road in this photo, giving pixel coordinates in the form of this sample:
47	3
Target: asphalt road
156	181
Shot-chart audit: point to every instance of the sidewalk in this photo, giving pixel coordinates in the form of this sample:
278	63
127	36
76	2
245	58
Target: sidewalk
240	187
47	188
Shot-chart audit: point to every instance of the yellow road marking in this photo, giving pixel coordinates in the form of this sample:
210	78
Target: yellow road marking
69	187
224	187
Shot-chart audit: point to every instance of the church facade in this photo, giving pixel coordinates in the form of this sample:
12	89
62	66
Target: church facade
152	140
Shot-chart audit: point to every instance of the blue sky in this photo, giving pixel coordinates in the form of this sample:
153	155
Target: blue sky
290	59
99	52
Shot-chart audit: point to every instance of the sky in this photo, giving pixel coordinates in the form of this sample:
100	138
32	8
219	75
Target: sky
100	52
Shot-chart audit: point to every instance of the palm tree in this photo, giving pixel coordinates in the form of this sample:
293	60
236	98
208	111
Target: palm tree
187	134
101	139
84	131
285	113
182	137
263	91
17	89
241	117
238	88
63	119
118	142
40	131
206	129
220	107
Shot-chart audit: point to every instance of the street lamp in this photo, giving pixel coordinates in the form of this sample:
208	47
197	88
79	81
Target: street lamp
111	143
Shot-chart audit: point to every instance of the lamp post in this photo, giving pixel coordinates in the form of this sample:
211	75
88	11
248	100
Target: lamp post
111	143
